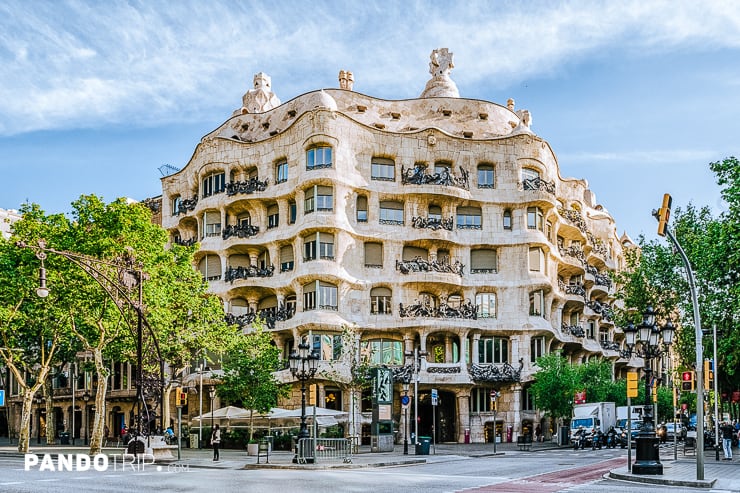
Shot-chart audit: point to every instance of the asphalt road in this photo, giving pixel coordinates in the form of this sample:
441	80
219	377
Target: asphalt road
541	472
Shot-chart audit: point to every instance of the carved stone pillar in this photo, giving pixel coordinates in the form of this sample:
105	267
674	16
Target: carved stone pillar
516	406
474	357
463	412
448	349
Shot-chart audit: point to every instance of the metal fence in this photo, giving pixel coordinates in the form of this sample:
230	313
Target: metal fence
314	450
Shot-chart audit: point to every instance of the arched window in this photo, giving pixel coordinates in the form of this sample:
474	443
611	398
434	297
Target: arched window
435	213
507	219
319	157
176	202
319	295
281	172
213	183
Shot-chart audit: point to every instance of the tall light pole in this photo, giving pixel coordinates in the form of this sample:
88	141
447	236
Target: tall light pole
200	407
86	399
303	365
645	341
212	396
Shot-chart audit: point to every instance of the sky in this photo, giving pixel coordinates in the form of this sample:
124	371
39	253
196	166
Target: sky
635	97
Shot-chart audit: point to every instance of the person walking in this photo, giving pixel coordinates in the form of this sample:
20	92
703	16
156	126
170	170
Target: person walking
727	432
216	441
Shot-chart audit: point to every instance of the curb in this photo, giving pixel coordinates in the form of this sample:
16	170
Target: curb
623	475
407	462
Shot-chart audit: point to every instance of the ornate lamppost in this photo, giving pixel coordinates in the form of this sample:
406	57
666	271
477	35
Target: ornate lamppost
120	278
86	399
648	341
303	365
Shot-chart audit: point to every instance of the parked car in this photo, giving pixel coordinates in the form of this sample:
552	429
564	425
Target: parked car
675	429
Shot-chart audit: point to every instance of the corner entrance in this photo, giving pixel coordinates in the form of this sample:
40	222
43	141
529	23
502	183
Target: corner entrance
445	417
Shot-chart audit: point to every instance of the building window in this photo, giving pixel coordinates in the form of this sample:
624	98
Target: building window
321	243
383	351
210	267
318	157
309	202
391	213
281	172
441	167
536	348
290	303
293	212
327	346
273	216
485	305
530	174
537	303
213	224
536	260
590	329
324	199
382	169
507	219
176	201
374	255
287	261
493	350
603	333
435	213
485	176
333	398
469	218
480	400
528	400
549	231
213	184
483	261
319	294
380	301
361	209
414	253
535	218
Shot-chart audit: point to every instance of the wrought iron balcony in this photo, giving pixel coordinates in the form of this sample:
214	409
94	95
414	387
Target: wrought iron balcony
574	330
249	186
186	205
574	217
575	289
418	176
268	315
240	231
575	252
603	309
186	243
433	223
234	273
419	308
538	184
501	372
392	222
418	264
610	345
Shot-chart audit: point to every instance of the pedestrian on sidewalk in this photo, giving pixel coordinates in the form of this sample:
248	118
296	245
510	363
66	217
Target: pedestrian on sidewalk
727	432
216	441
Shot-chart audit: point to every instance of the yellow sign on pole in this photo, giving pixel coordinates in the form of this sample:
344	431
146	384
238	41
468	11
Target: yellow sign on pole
632	384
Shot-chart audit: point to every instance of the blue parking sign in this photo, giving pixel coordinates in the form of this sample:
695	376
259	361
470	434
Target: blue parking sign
2	398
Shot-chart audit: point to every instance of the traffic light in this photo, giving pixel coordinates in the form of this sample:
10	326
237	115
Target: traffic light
664	213
632	384
687	381
181	397
708	374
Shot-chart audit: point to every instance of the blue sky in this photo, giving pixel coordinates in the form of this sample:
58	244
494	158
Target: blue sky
636	97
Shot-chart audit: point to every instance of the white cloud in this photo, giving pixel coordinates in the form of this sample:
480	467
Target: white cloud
72	63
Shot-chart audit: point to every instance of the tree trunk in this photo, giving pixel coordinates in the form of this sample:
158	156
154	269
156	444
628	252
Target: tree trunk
51	425
25	429
98	429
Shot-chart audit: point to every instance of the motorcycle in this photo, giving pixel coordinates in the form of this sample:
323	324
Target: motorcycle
611	438
597	438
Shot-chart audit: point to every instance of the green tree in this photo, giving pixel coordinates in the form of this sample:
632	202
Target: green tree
555	384
249	380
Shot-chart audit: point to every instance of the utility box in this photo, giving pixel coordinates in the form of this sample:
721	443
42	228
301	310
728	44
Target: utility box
194	441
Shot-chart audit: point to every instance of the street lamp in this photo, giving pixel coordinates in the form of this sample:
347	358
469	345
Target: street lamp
211	396
645	341
86	399
303	364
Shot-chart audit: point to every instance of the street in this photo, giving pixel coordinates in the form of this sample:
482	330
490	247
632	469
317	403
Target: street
542	472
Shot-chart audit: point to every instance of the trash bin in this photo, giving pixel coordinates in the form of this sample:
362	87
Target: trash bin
422	448
64	438
564	435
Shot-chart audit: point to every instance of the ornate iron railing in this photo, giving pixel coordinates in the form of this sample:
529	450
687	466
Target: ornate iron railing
502	372
575	289
575	252
418	264
186	205
574	217
418	176
603	309
234	273
575	330
240	231
392	222
538	184
424	309
318	166
187	243
420	222
603	280
610	345
443	369
268	315
252	185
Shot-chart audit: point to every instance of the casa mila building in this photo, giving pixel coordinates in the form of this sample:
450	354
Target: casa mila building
438	229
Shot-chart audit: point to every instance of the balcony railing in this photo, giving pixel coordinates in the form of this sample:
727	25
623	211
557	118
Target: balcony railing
249	186
574	217
603	309
186	205
186	243
418	264
575	252
610	345
268	315
433	223
496	372
240	231
574	330
538	184
234	273
419	308
418	176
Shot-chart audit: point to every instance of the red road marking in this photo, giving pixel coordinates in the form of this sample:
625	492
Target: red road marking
553	481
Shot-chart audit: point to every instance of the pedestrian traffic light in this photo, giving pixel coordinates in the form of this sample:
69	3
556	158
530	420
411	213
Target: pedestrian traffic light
708	374
181	397
632	384
664	213
687	381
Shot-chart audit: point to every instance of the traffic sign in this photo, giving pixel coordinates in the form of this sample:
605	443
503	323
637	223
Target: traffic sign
405	401
434	397
2	398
